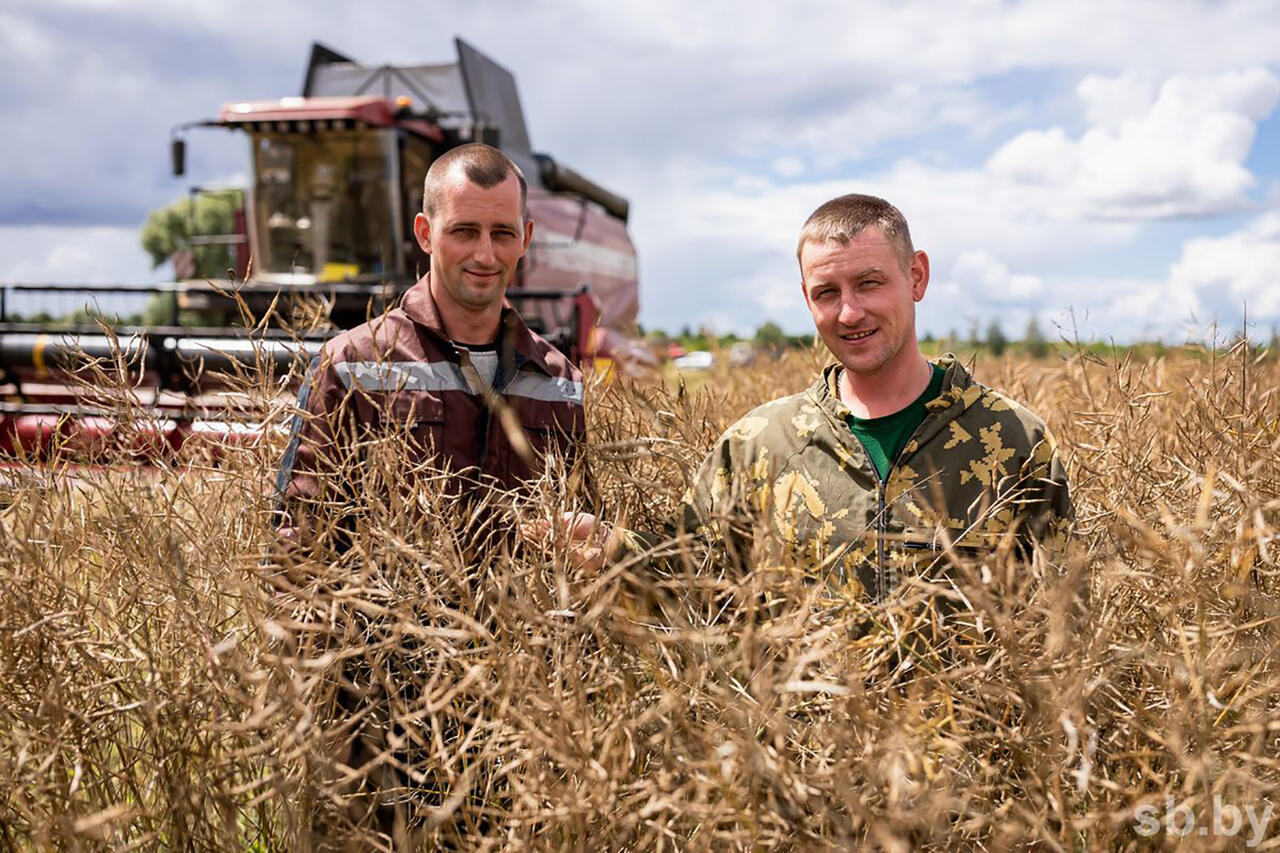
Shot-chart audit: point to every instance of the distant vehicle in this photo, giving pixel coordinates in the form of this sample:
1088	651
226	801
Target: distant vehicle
696	360
742	354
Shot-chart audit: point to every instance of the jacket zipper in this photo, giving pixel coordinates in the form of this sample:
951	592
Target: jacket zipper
882	528
882	513
882	521
882	525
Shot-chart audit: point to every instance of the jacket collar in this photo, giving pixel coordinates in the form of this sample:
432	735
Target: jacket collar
516	340
959	392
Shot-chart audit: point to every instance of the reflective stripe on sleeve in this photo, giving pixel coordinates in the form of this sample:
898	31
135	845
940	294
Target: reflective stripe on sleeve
402	376
447	376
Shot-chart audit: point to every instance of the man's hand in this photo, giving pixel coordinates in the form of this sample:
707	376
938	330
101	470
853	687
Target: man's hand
589	539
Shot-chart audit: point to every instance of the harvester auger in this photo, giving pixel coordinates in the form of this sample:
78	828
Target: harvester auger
337	175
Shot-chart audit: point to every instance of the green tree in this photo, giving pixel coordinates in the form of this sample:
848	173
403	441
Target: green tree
996	342
171	228
1034	341
770	335
975	340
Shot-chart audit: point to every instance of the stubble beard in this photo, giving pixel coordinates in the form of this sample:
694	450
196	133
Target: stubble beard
471	297
869	364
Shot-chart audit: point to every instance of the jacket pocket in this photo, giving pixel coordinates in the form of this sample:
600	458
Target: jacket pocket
532	430
410	407
418	415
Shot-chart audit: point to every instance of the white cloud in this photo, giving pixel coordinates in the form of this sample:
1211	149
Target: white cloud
997	233
92	255
1207	288
1111	102
789	167
853	122
990	261
660	101
983	277
1179	154
1226	273
23	38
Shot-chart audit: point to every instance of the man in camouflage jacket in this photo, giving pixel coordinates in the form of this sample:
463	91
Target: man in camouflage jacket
887	461
979	466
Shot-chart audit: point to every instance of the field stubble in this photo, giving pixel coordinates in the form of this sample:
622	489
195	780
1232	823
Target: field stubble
162	684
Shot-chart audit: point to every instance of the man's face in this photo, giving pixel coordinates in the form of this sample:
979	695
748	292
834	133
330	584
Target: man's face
862	300
476	238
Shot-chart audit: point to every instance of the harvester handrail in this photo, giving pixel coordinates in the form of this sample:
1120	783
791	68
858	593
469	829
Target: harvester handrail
184	286
98	287
180	412
221	332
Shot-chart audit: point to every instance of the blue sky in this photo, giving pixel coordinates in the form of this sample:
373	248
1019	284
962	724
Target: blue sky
1120	161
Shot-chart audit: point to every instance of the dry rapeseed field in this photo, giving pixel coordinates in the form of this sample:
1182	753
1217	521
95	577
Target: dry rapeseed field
169	680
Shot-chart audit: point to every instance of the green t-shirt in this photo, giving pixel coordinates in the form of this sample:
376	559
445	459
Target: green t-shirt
884	437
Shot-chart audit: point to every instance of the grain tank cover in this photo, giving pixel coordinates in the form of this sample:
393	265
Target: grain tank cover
430	88
474	90
491	91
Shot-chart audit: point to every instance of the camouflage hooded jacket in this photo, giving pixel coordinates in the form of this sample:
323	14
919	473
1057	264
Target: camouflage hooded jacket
978	467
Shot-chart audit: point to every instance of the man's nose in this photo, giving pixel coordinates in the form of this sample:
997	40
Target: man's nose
484	248
851	311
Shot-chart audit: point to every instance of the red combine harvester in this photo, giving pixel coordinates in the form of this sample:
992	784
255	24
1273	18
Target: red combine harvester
336	179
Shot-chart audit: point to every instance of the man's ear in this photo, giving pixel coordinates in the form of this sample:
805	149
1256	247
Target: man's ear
919	275
422	231
528	235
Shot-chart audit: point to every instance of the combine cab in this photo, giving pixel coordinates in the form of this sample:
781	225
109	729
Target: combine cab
326	232
337	179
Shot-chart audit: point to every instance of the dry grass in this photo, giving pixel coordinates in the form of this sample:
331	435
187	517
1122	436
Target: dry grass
163	685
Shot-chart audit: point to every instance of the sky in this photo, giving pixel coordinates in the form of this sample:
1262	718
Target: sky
1111	169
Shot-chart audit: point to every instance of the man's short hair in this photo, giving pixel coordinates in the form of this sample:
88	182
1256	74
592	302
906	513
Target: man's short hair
842	219
483	165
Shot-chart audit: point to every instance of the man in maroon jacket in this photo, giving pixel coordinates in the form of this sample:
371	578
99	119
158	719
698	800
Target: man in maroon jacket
480	395
480	399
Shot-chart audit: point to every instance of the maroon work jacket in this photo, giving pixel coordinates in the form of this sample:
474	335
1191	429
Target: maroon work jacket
400	371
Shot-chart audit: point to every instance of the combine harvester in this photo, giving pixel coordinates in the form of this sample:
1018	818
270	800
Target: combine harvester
336	179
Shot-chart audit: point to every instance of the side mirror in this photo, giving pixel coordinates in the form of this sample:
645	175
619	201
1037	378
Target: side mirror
178	154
